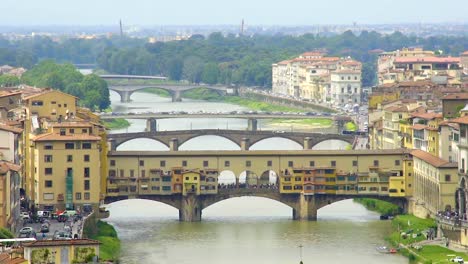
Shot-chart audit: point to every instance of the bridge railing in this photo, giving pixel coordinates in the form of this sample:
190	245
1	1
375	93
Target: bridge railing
247	190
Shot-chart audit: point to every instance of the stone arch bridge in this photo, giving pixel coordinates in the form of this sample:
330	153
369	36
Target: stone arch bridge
125	91
243	138
304	207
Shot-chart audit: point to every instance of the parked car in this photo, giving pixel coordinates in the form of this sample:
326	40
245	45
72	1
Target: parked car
27	229
62	235
458	259
45	228
24	214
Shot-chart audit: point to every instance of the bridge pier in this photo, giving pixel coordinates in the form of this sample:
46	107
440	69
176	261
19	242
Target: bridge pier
124	96
306	208
307	143
245	144
191	208
151	125
174	144
252	124
176	96
112	145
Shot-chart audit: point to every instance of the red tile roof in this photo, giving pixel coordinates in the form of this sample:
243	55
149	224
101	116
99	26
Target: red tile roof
12	129
48	243
460	120
58	137
456	96
419	127
427	60
427	116
433	160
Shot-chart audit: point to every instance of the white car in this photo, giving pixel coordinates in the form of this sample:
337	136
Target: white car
458	259
24	215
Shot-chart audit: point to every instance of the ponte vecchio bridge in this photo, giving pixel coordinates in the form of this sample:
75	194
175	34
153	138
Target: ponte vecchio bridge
306	180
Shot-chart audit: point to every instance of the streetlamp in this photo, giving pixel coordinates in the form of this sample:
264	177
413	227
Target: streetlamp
300	253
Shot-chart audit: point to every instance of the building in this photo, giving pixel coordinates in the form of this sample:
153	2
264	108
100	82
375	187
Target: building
449	135
9	195
66	166
453	103
309	77
414	64
435	182
61	251
346	87
393	116
425	134
9	100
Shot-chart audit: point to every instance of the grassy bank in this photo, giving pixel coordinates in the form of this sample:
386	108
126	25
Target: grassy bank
382	207
117	123
157	91
210	95
110	247
316	122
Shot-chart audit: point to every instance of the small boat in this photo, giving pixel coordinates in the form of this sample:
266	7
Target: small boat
386	250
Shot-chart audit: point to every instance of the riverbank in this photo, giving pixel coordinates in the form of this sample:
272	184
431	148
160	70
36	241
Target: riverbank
117	123
409	234
106	234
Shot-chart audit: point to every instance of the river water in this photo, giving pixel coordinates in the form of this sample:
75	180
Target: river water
248	230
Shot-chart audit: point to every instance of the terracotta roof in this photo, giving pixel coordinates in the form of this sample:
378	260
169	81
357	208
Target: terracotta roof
433	160
419	127
456	96
58	137
397	108
10	128
48	243
460	120
71	124
346	72
9	93
284	62
427	116
46	91
427	60
8	166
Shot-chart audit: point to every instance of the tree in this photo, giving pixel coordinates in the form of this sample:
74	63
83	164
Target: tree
9	80
193	69
210	73
175	69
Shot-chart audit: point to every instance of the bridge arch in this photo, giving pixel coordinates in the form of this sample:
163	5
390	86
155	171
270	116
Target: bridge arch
120	143
209	202
268	177
192	137
257	144
227	177
170	202
333	138
248	178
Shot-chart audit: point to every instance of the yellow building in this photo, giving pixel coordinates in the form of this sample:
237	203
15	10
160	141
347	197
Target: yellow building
9	195
66	166
61	251
435	182
426	131
191	182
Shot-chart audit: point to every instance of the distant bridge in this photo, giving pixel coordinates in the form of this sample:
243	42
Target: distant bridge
125	91
243	138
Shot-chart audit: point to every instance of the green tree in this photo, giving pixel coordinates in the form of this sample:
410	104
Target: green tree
210	73
175	69
9	80
193	69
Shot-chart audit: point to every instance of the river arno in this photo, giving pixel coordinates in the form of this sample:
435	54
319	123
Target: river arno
241	230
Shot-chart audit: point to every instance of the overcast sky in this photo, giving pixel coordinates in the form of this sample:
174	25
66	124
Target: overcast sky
267	12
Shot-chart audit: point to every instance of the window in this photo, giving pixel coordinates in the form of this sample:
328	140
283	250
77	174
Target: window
205	163
86	185
86	145
186	178
63	131
162	163
143	173
227	163
312	163
290	164
86	158
248	163
298	179
72	131
86	172
112	162
37	103
48	184
78	196
269	163
355	163
69	145
53	102
122	173
447	177
47	158
48	196
376	163
48	146
397	162
69	158
132	173
87	196
48	171
84	131
166	188
142	163
287	187
333	163
184	163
